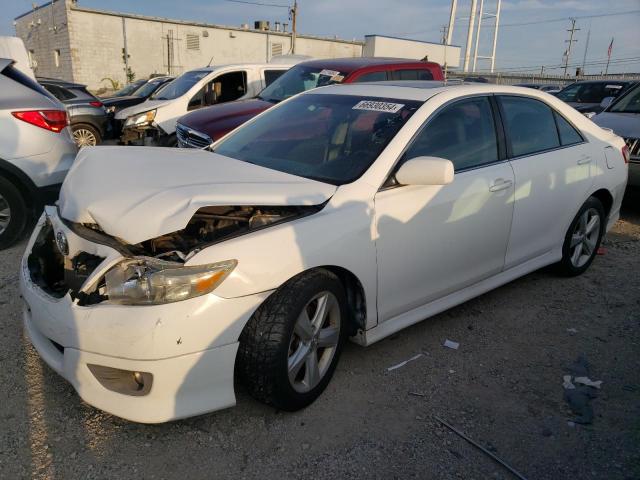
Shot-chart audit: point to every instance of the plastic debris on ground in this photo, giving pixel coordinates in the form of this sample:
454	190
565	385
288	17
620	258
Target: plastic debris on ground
402	364
451	344
579	390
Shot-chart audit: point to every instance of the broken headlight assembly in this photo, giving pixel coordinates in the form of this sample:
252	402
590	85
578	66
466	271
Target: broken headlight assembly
150	281
140	119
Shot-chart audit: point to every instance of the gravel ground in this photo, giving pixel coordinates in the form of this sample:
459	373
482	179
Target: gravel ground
502	387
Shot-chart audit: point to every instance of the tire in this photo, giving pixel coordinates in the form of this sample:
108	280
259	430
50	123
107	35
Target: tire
14	213
85	135
276	353
585	234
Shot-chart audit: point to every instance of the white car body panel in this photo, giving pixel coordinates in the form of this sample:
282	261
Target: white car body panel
168	111
415	250
133	184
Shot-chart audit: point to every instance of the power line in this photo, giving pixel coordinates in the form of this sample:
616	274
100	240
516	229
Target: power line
259	3
553	20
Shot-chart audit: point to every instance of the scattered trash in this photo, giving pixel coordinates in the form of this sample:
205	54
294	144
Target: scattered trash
402	364
451	344
480	447
572	330
417	394
601	251
566	383
579	396
588	382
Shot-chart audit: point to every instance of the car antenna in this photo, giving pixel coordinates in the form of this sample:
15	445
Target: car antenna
210	61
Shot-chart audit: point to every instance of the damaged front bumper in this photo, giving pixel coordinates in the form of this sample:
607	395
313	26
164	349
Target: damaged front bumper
147	135
180	354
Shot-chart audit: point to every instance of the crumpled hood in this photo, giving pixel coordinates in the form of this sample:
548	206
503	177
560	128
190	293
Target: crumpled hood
140	108
139	193
623	124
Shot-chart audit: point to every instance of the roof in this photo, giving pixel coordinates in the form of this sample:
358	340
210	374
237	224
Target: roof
351	64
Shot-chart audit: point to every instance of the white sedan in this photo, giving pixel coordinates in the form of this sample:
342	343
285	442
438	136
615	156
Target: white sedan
347	211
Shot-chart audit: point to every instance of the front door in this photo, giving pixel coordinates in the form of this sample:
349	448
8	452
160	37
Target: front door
434	240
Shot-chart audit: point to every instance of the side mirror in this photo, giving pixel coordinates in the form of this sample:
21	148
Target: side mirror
425	171
606	101
589	114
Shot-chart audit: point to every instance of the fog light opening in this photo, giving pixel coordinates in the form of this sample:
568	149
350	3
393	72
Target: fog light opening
126	382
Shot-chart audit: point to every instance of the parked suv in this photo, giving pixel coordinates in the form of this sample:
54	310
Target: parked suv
87	115
153	122
36	149
201	128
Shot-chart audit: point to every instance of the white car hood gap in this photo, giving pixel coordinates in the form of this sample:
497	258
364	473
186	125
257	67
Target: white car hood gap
139	193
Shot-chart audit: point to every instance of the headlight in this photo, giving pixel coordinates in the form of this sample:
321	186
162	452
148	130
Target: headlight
110	109
141	119
148	281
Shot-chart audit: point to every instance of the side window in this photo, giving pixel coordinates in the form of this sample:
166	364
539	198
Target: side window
271	75
568	134
529	125
197	100
463	132
230	86
372	77
412	74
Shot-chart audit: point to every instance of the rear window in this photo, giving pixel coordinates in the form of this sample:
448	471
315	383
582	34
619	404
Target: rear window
412	74
271	75
60	93
17	76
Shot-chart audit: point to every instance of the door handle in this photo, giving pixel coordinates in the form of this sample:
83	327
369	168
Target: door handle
583	160
500	184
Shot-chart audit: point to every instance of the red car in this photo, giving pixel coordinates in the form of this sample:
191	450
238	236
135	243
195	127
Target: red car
202	127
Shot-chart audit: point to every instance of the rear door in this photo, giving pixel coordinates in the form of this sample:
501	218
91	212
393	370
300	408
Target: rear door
552	166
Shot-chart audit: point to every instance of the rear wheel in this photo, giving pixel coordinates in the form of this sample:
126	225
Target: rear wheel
291	345
85	135
583	238
13	213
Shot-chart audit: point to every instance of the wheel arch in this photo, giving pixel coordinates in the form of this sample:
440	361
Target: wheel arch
22	182
605	198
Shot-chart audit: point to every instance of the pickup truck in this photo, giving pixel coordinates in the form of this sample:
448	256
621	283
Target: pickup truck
153	122
200	129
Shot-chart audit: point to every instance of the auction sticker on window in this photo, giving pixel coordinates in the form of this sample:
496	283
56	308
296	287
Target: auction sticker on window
374	106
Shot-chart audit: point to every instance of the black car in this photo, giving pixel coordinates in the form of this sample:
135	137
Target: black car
139	95
588	96
129	88
87	115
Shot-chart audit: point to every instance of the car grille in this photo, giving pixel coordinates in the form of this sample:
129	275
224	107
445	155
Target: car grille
55	273
188	138
634	148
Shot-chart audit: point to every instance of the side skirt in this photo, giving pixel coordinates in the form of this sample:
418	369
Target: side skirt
391	326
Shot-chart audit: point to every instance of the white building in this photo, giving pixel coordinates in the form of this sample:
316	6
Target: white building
70	42
385	46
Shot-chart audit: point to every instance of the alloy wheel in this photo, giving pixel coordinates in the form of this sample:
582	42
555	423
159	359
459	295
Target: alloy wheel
84	137
314	342
585	237
5	214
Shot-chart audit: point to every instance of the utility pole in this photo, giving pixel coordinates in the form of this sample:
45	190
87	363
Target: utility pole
472	19
586	49
443	29
293	15
571	41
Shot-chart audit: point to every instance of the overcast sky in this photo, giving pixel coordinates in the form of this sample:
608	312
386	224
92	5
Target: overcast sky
518	45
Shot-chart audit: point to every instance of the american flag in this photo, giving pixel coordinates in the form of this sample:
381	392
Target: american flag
610	48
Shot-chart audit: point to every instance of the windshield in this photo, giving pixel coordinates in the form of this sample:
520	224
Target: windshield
299	79
330	138
129	89
147	89
589	92
181	85
629	103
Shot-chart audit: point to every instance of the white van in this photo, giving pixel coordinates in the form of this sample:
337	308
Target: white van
153	122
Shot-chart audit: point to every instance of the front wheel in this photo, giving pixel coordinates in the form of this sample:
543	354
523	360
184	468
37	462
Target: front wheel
583	238
290	347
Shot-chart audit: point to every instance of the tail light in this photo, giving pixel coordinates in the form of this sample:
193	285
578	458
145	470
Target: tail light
95	103
53	120
626	154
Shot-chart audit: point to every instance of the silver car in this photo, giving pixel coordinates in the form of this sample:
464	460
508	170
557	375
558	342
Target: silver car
623	117
36	149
